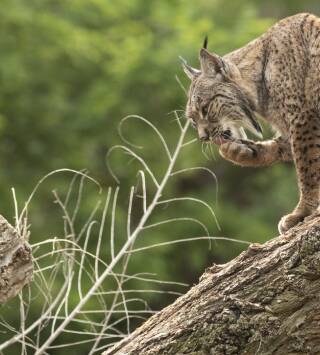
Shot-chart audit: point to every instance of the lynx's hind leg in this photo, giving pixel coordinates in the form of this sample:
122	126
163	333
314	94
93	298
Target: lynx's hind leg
305	140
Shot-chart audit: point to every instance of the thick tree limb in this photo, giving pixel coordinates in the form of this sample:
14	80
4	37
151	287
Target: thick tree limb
16	266
266	301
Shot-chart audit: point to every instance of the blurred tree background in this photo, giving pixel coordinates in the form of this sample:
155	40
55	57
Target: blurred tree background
70	70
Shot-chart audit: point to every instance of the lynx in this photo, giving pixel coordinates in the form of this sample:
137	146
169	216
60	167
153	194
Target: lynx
276	76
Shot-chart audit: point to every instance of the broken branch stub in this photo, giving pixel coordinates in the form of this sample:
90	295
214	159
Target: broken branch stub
16	266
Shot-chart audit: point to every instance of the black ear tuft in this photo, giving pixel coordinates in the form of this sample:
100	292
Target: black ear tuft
205	42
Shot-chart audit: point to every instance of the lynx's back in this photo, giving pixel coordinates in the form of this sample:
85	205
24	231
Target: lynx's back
284	64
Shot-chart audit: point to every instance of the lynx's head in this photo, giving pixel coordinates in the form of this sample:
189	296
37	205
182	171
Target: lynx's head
218	104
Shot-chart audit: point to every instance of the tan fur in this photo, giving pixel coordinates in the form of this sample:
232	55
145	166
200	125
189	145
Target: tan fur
277	76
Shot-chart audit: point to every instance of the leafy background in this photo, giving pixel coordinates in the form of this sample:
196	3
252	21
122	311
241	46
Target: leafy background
70	70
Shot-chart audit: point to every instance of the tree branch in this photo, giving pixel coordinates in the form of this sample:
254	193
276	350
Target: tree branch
16	266
265	301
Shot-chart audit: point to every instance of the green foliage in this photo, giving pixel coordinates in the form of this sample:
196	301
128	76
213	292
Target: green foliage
70	70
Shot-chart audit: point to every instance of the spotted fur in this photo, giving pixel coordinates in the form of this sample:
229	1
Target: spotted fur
276	76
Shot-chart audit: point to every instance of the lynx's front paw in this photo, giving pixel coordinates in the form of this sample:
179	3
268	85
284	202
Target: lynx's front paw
290	220
238	153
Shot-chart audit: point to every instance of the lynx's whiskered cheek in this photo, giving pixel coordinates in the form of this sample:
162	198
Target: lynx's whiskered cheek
239	117
234	131
250	122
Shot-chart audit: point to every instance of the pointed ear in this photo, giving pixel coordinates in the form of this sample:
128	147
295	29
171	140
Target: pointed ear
212	64
191	72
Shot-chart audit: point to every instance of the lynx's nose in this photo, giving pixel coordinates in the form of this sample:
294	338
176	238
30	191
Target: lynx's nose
203	134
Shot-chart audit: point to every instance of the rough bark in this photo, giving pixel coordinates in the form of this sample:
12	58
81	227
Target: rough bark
16	265
266	301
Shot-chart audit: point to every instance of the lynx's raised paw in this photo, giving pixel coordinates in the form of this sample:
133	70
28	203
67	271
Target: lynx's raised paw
238	153
290	220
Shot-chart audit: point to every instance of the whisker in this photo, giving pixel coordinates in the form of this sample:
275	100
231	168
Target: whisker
203	151
212	151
